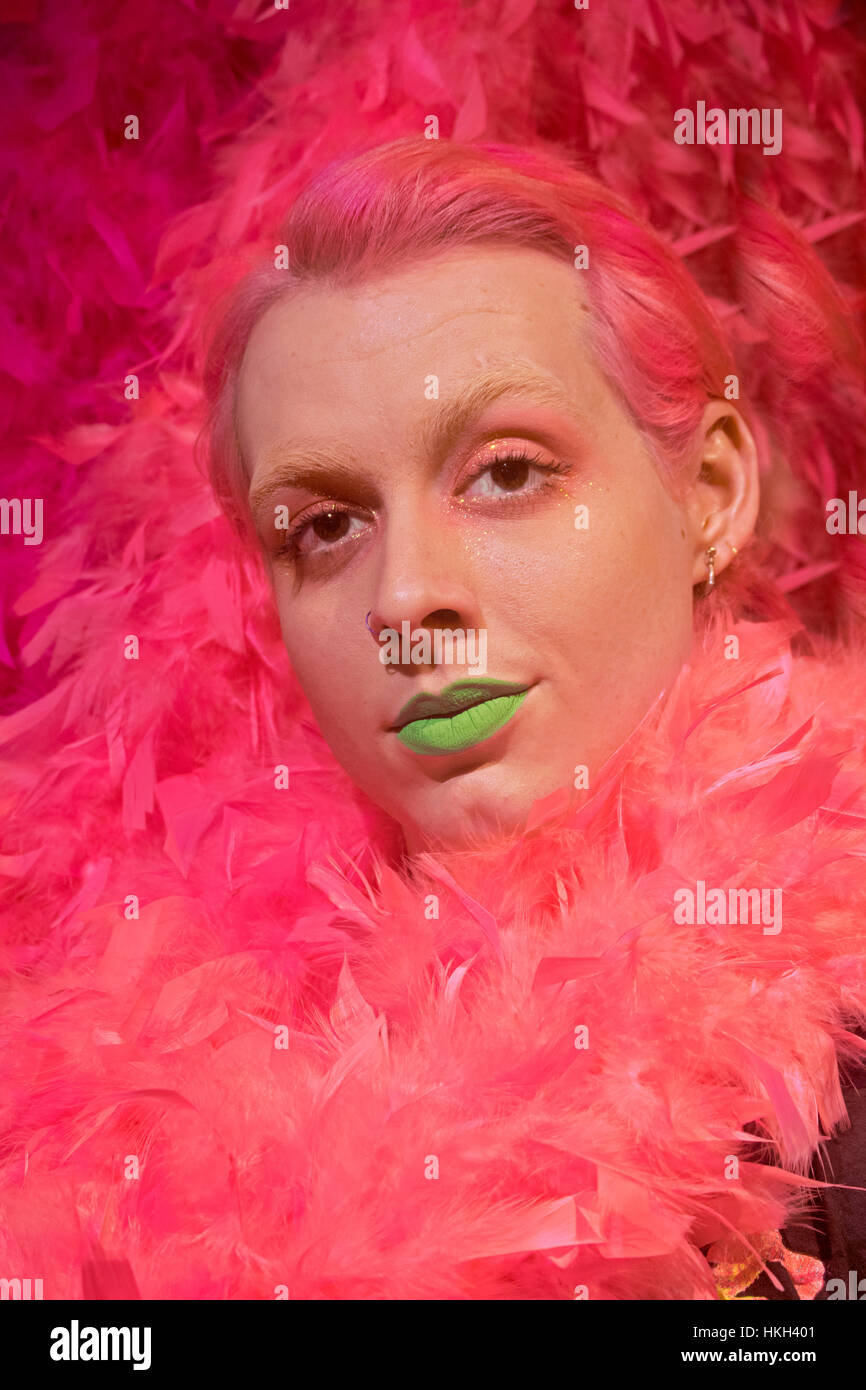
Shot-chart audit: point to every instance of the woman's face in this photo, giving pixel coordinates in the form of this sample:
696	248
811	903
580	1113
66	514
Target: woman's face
450	457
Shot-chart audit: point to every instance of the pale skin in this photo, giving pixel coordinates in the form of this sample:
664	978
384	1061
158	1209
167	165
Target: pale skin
405	526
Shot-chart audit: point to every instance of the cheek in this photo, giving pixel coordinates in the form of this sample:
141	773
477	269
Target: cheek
608	597
625	559
315	665
338	671
315	651
639	591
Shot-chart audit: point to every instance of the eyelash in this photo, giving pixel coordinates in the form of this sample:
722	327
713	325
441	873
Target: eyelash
289	549
550	467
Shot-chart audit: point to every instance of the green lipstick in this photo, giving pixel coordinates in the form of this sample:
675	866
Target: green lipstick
463	714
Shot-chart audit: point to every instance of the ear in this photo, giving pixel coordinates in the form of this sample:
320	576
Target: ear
723	497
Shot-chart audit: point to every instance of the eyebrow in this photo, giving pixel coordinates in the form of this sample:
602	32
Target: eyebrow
322	471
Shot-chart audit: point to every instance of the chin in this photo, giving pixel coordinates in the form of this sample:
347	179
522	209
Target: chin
472	809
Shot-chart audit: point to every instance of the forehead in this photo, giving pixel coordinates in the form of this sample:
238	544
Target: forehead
337	361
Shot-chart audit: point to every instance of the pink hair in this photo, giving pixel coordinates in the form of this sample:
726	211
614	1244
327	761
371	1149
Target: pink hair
657	338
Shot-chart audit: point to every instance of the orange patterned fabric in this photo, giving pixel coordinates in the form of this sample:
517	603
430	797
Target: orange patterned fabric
736	1267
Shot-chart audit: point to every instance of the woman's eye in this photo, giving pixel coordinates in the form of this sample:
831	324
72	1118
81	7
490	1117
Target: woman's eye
511	473
326	530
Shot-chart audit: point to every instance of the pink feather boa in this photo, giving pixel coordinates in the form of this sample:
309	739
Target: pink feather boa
329	1091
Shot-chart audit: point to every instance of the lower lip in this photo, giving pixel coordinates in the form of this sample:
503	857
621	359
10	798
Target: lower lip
456	732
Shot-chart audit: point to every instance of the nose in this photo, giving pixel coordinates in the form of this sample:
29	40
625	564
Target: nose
425	579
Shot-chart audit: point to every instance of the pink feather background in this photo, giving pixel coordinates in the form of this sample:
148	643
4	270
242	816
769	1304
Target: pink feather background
155	777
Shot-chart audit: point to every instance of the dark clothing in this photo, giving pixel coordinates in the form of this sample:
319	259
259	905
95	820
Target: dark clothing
834	1230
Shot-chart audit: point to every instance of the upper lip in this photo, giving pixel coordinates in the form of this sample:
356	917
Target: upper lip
455	697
